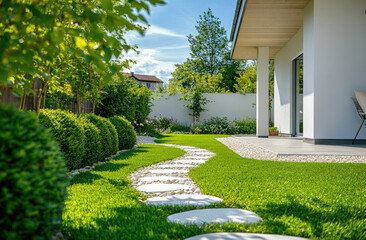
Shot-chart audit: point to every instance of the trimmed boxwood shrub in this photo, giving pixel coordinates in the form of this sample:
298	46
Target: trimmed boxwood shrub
68	132
126	134
32	178
93	146
105	137
114	136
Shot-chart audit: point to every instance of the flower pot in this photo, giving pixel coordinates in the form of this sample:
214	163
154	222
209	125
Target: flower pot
273	133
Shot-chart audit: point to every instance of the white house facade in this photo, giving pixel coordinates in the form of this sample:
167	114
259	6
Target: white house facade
319	51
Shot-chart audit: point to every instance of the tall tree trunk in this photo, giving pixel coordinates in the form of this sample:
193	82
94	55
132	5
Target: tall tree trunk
34	95
22	101
44	96
94	106
78	104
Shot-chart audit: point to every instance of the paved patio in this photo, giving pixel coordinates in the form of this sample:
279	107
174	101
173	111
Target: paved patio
293	150
286	146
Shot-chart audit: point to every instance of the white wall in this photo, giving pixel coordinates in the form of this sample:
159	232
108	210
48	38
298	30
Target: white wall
334	66
308	70
231	105
283	78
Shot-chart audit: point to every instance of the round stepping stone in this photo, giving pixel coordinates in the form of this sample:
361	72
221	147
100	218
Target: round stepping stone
190	161
184	200
168	171
152	188
242	236
214	215
176	166
162	178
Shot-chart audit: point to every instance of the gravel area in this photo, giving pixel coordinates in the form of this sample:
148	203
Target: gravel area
182	178
249	150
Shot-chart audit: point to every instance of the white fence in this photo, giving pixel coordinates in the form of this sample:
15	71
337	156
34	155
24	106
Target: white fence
230	105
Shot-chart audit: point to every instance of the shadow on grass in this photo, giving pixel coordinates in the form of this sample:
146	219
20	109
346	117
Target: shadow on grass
110	167
138	222
163	139
85	178
316	219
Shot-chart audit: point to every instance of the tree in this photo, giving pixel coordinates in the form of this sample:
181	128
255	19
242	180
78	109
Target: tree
208	48
247	81
230	71
210	55
31	30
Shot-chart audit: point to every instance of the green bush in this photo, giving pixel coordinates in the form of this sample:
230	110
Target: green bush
68	133
126	98
93	145
246	126
217	125
147	130
113	147
126	134
167	125
105	137
32	178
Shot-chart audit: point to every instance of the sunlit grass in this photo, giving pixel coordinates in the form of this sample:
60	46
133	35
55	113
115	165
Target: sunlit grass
313	200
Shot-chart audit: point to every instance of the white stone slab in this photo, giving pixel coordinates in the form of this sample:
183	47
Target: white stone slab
176	166
242	236
215	215
197	150
168	171
184	200
190	161
198	157
152	188
162	178
204	153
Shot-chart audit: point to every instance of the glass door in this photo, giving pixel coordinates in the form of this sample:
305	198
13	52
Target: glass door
297	97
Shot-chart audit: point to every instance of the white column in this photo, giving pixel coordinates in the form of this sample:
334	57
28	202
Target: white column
262	91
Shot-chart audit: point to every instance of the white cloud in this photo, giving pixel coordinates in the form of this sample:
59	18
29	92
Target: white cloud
147	63
163	31
173	47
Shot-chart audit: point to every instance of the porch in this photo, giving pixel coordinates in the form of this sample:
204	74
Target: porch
294	150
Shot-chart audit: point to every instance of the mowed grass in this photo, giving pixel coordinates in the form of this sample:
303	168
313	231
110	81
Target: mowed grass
101	205
313	200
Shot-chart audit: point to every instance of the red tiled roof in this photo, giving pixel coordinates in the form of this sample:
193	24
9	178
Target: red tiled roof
145	78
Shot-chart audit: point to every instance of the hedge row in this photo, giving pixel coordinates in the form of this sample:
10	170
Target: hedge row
87	139
33	177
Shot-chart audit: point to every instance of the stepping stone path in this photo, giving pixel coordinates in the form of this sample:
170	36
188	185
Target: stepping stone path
242	236
153	188
215	215
168	183
184	200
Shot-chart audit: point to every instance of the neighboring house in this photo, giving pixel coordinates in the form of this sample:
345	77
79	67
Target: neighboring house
149	81
327	38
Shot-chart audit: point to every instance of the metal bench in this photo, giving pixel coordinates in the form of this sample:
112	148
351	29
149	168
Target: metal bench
360	113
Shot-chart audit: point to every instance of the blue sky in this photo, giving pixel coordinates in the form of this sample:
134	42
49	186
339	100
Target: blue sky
165	42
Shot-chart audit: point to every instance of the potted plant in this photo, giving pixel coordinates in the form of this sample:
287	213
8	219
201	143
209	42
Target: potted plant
273	131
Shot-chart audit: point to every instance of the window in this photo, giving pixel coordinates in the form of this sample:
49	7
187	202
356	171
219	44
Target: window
148	85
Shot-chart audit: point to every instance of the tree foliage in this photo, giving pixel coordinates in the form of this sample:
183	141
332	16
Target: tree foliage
40	31
66	48
209	46
125	97
210	56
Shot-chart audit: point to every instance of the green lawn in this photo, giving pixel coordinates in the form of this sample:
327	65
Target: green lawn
313	200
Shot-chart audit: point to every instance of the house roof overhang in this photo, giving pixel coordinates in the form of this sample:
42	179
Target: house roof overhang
264	23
